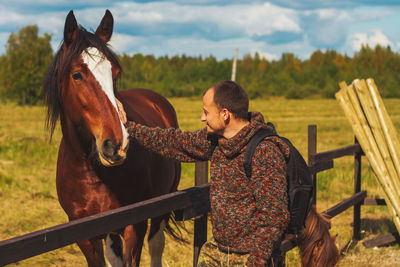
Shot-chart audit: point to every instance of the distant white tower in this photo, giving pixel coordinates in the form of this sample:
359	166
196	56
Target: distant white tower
234	65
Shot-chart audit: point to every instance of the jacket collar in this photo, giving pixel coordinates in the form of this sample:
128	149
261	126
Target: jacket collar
235	145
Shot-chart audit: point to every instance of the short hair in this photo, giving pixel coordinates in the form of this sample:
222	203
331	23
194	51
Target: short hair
233	97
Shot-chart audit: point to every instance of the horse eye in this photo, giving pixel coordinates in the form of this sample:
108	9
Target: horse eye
77	76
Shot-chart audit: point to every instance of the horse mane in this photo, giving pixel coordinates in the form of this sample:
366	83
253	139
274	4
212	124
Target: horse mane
317	246
59	70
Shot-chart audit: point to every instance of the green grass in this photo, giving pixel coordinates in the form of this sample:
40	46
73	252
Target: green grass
28	166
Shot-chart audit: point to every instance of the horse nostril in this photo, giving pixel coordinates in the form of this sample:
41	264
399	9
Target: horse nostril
109	148
110	153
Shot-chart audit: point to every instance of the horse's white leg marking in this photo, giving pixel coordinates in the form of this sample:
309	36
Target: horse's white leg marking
100	67
112	259
156	246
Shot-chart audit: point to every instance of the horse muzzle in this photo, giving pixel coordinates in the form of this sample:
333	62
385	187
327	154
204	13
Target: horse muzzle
111	154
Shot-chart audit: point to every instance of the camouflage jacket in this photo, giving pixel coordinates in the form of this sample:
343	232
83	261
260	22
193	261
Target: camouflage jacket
247	216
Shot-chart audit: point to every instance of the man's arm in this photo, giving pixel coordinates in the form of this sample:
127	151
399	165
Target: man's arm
268	184
173	143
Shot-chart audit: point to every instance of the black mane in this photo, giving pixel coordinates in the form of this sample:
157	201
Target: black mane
58	72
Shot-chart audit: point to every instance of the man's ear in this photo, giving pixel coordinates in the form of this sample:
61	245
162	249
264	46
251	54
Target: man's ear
225	114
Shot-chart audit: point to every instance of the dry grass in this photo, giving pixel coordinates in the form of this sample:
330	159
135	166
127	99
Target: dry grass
29	200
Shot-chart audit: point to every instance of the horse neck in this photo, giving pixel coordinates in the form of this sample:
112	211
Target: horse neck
73	140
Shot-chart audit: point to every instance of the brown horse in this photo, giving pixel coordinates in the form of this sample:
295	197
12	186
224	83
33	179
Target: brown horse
98	169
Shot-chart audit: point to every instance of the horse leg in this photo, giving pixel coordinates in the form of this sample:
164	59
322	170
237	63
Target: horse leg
93	251
114	250
133	236
156	241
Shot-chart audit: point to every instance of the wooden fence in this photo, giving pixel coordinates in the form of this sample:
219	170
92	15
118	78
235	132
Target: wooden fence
187	204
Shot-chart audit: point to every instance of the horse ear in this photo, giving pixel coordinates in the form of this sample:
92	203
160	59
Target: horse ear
105	29
70	28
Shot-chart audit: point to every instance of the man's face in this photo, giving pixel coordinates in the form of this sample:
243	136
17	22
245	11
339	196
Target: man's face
212	115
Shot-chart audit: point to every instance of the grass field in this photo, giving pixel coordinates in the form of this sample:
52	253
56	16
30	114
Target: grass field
28	163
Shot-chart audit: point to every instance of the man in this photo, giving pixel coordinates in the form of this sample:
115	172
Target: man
248	216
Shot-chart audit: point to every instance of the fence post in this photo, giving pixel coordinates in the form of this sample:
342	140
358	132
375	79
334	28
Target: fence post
312	149
357	188
200	223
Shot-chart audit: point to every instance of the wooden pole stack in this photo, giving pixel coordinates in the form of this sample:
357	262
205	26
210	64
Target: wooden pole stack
363	106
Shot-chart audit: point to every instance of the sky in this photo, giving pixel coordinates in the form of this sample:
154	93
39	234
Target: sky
216	27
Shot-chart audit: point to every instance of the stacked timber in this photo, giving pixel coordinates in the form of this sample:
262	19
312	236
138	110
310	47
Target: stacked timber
363	107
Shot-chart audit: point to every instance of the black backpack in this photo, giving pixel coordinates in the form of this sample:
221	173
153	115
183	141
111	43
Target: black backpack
299	181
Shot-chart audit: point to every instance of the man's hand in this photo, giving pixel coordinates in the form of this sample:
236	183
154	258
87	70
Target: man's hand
121	112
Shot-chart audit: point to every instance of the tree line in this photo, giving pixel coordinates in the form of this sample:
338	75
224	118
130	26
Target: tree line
27	56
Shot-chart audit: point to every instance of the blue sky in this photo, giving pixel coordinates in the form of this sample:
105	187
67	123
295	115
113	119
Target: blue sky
216	27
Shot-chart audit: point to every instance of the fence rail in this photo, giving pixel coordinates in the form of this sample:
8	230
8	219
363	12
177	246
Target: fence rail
25	246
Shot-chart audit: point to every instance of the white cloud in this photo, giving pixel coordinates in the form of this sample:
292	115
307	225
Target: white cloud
326	27
193	47
372	39
239	20
51	23
268	56
204	27
379	38
263	19
9	17
329	28
30	2
48	22
123	42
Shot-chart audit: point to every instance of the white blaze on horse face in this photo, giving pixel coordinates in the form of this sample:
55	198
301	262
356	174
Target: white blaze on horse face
100	67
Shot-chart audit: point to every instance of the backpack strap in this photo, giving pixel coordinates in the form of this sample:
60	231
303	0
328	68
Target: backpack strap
214	142
253	143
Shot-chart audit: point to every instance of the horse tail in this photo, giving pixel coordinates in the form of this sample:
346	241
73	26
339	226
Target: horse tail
317	245
174	230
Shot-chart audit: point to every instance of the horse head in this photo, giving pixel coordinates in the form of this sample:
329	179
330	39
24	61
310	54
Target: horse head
80	89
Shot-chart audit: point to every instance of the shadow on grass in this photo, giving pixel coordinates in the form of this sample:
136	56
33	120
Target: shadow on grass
371	227
377	226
